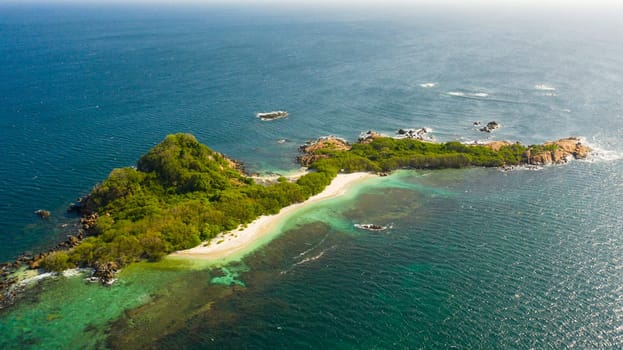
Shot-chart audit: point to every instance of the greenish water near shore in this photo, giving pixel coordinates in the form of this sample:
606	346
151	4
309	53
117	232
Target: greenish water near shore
506	243
44	322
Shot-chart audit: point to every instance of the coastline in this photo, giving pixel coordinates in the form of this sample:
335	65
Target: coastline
229	244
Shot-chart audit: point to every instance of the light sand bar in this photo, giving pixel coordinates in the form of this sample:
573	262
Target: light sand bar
231	243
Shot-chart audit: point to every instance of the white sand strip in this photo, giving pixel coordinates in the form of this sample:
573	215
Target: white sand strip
232	242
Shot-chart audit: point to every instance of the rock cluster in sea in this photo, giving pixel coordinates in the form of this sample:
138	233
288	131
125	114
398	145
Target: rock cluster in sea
9	290
493	125
417	134
105	273
44	214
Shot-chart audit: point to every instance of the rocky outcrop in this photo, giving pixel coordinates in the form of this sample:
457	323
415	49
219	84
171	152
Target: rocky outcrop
496	145
572	146
272	115
8	288
325	142
311	149
88	221
308	159
8	292
44	214
368	136
489	127
556	152
105	273
417	134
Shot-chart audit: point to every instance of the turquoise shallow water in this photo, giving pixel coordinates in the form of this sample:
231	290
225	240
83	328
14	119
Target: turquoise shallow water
475	258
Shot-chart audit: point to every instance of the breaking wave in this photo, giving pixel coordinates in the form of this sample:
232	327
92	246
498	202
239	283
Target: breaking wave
543	87
600	152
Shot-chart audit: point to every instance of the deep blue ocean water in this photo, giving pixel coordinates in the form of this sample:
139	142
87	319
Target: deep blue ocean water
477	258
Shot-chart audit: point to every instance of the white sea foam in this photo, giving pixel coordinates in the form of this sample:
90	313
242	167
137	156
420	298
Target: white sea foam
306	260
474	142
314	246
75	272
428	85
544	87
480	94
315	257
601	153
36	278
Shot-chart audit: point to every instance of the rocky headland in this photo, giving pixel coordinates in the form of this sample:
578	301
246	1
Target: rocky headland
558	152
10	286
552	152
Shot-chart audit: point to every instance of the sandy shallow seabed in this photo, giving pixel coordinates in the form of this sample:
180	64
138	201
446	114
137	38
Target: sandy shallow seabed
232	242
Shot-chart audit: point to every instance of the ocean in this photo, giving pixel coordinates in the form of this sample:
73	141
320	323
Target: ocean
475	258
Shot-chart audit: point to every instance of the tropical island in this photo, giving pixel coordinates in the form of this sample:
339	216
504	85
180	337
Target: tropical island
182	193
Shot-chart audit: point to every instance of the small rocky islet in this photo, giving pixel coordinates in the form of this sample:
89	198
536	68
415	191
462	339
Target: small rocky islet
548	153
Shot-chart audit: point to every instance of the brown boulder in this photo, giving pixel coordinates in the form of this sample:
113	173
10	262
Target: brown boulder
569	148
496	145
44	214
369	136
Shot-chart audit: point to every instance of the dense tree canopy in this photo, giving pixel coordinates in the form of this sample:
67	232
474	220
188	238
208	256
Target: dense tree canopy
182	193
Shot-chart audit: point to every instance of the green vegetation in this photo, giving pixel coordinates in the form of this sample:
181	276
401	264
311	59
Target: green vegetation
56	261
182	193
536	149
386	154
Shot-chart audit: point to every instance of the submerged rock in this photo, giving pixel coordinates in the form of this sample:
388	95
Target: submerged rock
44	214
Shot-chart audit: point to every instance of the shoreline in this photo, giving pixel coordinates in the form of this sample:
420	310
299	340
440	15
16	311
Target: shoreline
228	244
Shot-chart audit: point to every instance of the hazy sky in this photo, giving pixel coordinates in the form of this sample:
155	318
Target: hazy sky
562	3
605	8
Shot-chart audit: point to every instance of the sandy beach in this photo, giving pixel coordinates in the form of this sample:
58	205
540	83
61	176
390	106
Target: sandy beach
232	242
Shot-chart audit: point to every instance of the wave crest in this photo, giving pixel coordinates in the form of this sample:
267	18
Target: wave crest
600	152
543	87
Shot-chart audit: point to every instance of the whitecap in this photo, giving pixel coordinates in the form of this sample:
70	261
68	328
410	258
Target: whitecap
456	93
600	153
76	272
314	246
544	87
316	257
428	85
480	94
36	278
